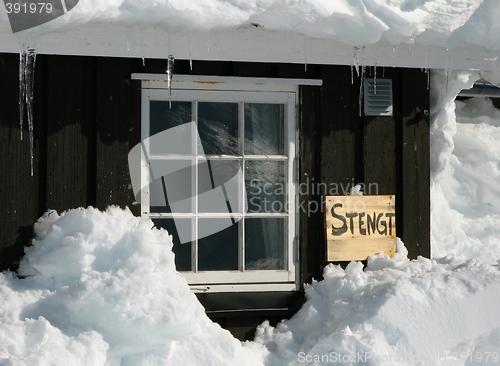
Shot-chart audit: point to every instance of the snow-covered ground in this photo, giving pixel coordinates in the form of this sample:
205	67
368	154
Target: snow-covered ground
100	288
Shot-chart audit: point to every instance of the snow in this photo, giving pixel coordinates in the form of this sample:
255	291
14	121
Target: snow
395	311
352	22
466	168
101	288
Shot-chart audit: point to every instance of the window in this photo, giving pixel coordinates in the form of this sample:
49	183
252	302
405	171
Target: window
226	149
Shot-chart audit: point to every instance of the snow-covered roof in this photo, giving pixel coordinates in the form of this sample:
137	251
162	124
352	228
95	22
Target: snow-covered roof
433	33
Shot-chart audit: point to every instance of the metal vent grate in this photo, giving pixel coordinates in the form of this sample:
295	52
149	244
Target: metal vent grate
378	97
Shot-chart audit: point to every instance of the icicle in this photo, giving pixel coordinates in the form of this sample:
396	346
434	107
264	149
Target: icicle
427	71
22	90
393	55
29	78
363	74
170	73
361	88
190	53
375	78
143	61
305	54
352	74
355	51
446	69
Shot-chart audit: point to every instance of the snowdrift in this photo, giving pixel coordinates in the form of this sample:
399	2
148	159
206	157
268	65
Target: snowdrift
100	288
395	312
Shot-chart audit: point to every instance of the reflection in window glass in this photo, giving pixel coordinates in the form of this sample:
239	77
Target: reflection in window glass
162	117
265	186
265	243
218	128
264	129
174	191
182	251
219	186
219	251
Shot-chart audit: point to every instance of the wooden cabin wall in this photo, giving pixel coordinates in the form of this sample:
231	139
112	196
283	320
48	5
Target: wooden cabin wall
390	155
87	118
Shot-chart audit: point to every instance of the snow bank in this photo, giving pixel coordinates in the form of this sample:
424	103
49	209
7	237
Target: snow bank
101	288
396	312
469	185
358	22
465	168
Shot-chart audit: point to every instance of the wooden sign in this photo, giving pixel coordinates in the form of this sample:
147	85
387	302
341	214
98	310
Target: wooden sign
359	226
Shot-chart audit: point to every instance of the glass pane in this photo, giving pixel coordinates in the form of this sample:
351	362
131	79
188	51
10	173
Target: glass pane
162	118
264	129
219	186
182	251
265	184
265	243
219	251
172	190
218	128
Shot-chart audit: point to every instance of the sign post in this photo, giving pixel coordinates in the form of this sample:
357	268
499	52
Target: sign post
359	226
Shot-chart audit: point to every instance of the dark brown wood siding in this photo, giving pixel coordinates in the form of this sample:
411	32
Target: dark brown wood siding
87	118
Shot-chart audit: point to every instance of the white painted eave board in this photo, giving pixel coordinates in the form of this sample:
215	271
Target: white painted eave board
253	44
160	81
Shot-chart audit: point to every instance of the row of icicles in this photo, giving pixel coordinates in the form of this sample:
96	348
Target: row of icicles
27	59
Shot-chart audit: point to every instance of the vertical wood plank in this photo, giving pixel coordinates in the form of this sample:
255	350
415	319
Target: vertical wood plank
71	122
339	127
116	121
415	163
340	138
310	204
19	199
379	151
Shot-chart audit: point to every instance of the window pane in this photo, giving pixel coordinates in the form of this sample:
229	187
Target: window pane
265	186
182	251
172	191
219	186
219	251
265	243
264	129
162	118
218	128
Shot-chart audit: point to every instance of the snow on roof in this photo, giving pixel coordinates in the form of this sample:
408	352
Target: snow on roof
314	31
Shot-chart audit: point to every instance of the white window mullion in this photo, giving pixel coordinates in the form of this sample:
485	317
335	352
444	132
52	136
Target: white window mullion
194	139
290	131
144	195
241	132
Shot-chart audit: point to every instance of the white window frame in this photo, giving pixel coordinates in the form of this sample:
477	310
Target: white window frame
240	90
